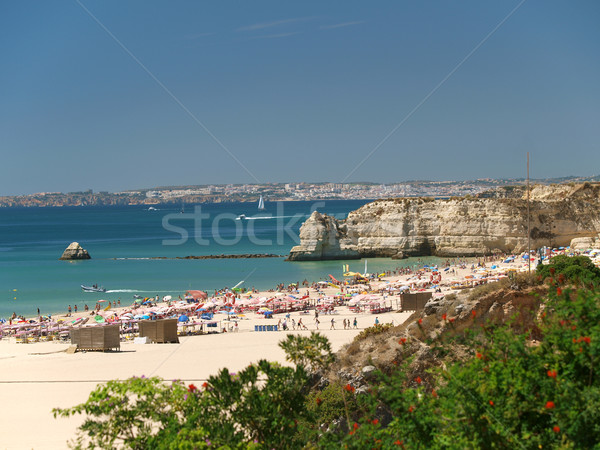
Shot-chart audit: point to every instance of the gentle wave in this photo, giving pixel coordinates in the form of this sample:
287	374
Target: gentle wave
112	291
271	217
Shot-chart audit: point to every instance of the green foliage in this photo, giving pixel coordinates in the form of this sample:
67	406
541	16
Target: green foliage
334	402
576	269
313	350
128	413
509	394
259	406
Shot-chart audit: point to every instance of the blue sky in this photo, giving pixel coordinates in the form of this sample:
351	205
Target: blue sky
294	91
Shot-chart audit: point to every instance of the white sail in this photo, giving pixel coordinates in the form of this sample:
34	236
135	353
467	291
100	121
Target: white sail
261	204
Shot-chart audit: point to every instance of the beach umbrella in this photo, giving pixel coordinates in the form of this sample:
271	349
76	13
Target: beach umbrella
183	318
197	294
99	319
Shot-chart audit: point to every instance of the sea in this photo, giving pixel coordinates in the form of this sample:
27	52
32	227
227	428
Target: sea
134	251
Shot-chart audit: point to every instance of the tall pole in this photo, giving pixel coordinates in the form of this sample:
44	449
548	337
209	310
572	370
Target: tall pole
528	222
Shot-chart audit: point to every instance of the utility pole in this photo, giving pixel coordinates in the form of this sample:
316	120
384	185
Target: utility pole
528	222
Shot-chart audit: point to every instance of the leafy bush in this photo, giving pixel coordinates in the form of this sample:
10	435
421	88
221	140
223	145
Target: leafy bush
509	394
576	269
259	406
313	350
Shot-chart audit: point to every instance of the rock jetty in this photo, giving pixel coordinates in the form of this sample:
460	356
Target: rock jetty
75	251
495	222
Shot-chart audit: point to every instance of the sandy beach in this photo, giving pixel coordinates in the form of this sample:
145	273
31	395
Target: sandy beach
36	377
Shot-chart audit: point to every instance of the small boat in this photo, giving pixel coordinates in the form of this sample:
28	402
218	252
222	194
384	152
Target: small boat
261	204
152	208
92	289
241	217
137	297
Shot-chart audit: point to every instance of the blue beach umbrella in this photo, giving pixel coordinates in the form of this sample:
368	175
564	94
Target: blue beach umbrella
183	318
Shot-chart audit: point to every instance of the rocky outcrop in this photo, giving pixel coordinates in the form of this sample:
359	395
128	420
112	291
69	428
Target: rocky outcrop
75	251
462	226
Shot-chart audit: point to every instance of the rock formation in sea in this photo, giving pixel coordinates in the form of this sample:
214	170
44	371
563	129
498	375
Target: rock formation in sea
494	221
75	251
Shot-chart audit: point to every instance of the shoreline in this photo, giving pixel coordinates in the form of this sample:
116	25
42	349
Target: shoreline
221	256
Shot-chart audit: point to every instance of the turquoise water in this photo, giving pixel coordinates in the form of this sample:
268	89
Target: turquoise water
121	239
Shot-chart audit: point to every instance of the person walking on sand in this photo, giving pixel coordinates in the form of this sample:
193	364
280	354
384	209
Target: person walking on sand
69	310
332	324
355	323
317	323
376	320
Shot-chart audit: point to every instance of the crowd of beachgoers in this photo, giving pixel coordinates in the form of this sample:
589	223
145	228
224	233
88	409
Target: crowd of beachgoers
224	310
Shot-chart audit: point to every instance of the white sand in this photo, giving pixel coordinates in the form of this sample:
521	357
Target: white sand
45	377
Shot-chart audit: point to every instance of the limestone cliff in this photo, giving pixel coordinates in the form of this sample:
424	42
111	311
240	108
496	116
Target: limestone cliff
75	251
462	226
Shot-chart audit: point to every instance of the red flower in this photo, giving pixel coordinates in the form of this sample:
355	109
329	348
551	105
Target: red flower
375	421
552	270
478	355
205	385
574	327
418	380
558	291
562	323
551	373
420	321
574	341
473	313
586	339
319	400
433	393
355	426
399	442
411	409
491	403
349	388
451	319
402	341
444	316
550	405
561	278
192	388
556	429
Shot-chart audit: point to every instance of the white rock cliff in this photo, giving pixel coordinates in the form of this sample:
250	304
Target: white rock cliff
494	222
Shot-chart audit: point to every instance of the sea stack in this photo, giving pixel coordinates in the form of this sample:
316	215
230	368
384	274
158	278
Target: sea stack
75	251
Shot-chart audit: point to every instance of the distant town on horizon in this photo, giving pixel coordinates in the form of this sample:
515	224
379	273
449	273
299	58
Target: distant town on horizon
219	193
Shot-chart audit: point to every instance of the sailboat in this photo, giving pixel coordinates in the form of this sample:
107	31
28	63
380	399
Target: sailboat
261	204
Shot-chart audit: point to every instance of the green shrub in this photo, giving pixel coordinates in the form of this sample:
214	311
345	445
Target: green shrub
577	269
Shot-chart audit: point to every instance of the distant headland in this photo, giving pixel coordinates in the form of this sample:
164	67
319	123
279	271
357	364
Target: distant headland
178	195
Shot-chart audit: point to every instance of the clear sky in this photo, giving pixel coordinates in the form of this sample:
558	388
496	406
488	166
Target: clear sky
196	92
